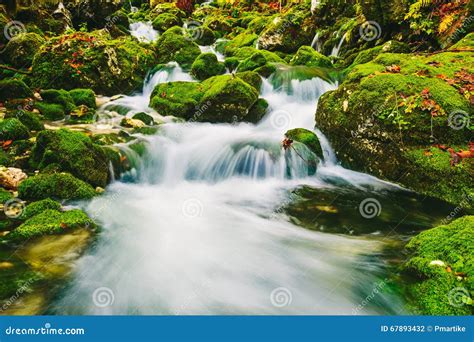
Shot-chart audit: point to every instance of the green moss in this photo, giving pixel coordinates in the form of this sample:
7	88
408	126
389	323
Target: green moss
20	49
205	36
173	46
307	138
51	222
258	111
165	21
14	89
242	39
4	158
306	55
253	62
29	119
434	285
367	55
84	97
51	111
176	98
13	129
60	97
62	186
5	195
231	63
145	118
74	152
266	70
466	43
228	98
38	207
251	78
206	65
107	66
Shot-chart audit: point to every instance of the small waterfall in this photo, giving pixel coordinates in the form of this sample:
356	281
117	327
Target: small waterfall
336	49
129	105
316	44
212	48
144	32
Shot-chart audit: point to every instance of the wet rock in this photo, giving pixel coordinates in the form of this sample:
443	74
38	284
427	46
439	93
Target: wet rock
132	123
206	65
10	177
21	49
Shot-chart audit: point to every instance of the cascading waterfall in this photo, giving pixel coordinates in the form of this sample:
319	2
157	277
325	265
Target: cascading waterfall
337	49
196	232
316	44
143	31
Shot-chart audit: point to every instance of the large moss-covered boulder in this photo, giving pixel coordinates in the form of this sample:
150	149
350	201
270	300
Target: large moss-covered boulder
31	120
84	97
92	60
12	129
178	99
203	35
441	261
61	186
73	152
38	207
256	60
166	21
223	98
51	221
387	114
14	89
20	49
242	39
207	65
306	55
229	99
173	46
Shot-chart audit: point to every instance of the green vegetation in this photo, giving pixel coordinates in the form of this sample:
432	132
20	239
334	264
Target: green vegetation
442	262
38	207
14	89
13	129
51	221
206	65
61	186
21	49
173	46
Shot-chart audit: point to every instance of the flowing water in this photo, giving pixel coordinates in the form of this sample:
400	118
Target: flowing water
337	48
196	228
143	31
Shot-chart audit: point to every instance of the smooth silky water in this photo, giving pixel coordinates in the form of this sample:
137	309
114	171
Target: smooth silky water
196	229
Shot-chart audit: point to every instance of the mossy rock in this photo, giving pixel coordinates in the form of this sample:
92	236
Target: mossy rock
177	98
206	65
258	111
31	120
266	70
222	98
437	289
61	186
166	21
84	97
378	112
307	138
14	89
258	59
145	118
241	40
251	78
21	49
464	44
60	97
231	63
51	111
306	55
5	195
229	98
51	222
205	36
173	46
74	152
107	66
38	207
13	129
